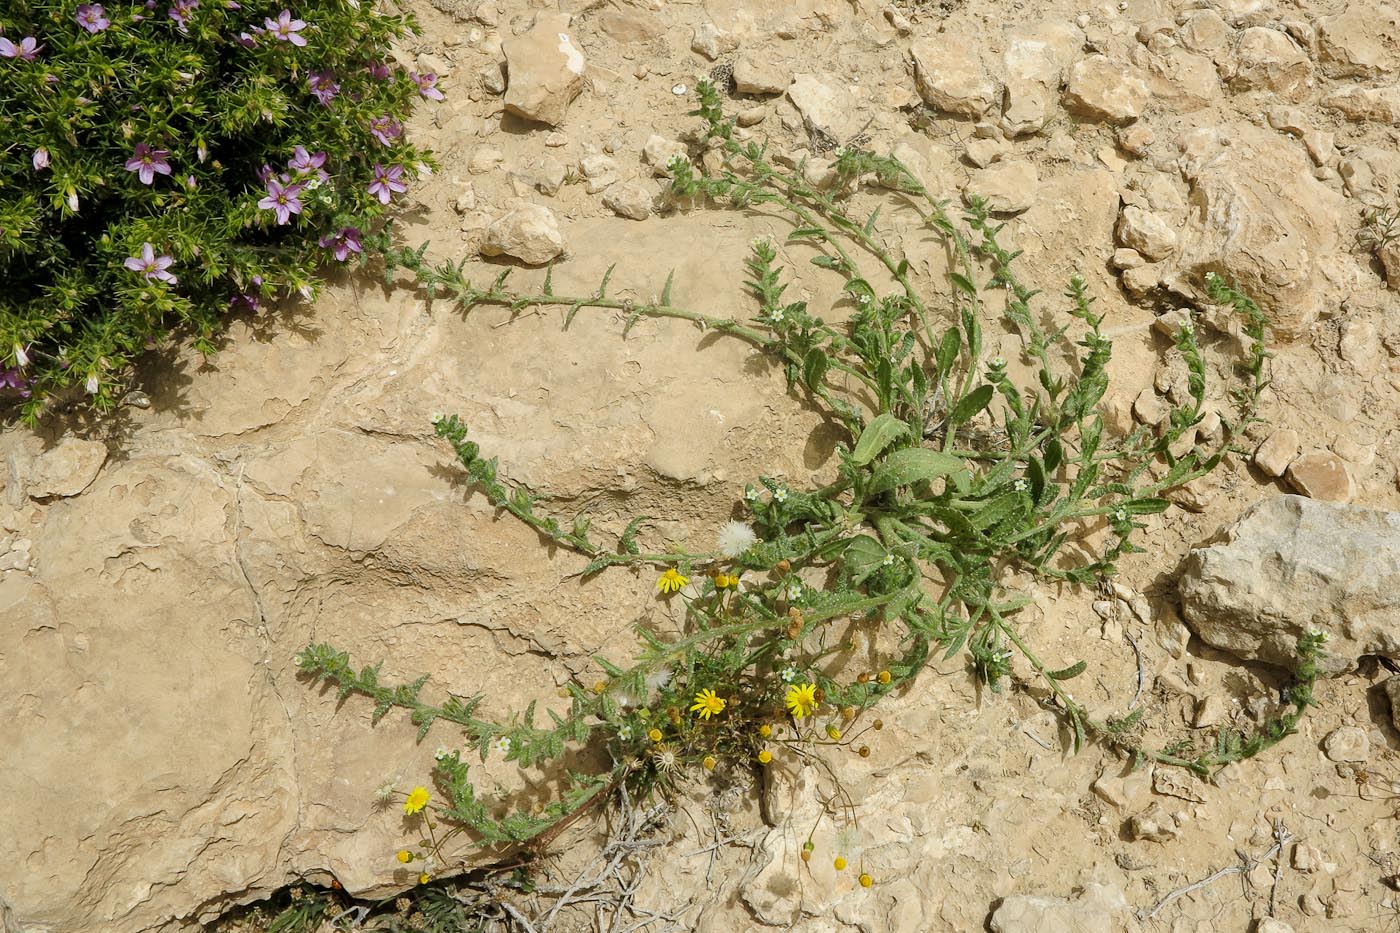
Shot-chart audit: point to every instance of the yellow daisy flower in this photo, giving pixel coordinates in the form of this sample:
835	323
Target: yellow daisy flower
707	704
802	699
654	735
765	756
417	800
424	879
671	581
866	881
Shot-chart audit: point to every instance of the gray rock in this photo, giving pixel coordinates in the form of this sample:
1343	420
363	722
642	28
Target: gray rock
1291	565
1098	908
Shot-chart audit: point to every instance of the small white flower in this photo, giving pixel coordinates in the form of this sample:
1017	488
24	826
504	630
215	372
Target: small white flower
998	362
759	242
888	561
780	495
1020	485
624	732
503	745
789	675
794	591
1120	515
438	417
735	538
862	299
21	358
751	494
441	752
91	384
41	158
777	315
313	184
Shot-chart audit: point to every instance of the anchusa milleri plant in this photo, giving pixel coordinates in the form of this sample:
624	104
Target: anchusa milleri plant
956	487
168	161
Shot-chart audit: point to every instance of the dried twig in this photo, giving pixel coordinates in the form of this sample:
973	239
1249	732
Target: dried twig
1282	837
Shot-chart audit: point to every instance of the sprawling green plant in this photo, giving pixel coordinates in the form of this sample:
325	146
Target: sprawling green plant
166	162
954	483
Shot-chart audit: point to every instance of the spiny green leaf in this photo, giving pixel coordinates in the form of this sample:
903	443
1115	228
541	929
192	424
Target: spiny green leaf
1068	673
882	431
913	465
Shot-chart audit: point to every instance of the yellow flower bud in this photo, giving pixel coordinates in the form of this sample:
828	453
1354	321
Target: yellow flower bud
765	730
884	677
765	756
423	878
866	881
834	732
709	762
654	735
405	856
839	864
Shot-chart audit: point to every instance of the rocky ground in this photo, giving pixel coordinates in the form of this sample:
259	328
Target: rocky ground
157	572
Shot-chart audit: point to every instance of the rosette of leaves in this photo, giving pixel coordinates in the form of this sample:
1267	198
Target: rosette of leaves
168	161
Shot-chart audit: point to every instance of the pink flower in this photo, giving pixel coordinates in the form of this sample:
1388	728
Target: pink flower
147	162
285	28
92	17
385	129
180	12
427	85
324	86
282	199
40	158
247	41
303	163
150	265
386	182
378	70
28	48
342	244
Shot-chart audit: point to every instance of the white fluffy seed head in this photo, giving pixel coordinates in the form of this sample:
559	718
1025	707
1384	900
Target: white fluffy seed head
735	538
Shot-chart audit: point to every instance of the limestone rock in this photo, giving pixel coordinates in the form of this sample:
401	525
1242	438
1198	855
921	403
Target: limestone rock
1371	174
1277	451
659	151
1098	908
529	232
545	69
1267	59
1392	692
1205	31
758	74
950	76
1321	474
826	104
1154	824
1293	564
630	26
1366	104
1035	62
1359	41
1107	90
1147	233
1389	255
545	174
1008	187
1260	219
1348	743
711	42
983	152
1273	925
634	200
67	469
